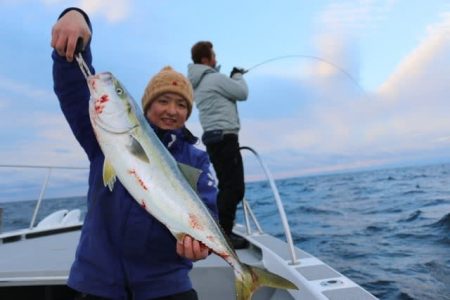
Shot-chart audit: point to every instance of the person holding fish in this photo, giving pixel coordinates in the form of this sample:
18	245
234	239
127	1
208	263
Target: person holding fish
216	96
124	252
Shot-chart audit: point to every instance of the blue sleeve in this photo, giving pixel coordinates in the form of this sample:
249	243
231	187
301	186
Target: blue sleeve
206	186
73	94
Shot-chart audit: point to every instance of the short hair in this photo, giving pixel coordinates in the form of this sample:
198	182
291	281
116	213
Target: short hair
200	50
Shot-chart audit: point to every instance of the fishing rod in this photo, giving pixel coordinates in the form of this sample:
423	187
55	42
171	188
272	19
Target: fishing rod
340	69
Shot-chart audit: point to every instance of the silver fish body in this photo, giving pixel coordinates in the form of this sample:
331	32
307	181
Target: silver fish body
156	181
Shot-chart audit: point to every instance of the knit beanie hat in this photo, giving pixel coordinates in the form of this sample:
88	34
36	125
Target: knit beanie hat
168	81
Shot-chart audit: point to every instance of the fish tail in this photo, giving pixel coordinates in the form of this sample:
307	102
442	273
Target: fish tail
253	278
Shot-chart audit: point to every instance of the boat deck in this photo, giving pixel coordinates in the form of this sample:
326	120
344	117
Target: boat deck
38	258
44	258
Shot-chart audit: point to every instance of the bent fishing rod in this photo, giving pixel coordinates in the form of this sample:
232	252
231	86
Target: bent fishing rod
340	69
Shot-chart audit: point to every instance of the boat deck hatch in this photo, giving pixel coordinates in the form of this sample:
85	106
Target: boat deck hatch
318	272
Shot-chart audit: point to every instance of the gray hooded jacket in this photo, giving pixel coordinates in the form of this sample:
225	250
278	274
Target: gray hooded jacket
215	96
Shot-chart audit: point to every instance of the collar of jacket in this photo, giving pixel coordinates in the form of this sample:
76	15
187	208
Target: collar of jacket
172	138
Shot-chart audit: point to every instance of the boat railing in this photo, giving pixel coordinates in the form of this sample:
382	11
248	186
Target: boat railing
43	189
248	213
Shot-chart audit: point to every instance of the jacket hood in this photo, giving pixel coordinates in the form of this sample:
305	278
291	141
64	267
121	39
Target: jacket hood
196	73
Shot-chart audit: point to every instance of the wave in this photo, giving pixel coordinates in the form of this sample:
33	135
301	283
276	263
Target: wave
404	296
382	287
413	192
412	217
373	228
390	210
383	179
438	268
436	202
415	176
317	211
443	223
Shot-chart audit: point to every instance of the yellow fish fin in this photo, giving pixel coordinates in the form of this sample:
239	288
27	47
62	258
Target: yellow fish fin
109	175
255	277
136	149
179	236
191	174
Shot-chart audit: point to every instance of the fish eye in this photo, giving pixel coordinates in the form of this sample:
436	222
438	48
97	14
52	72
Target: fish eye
119	91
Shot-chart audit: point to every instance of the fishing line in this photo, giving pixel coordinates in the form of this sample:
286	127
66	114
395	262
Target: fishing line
340	69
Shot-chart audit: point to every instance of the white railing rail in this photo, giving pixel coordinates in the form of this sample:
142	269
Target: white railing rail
44	184
248	213
279	203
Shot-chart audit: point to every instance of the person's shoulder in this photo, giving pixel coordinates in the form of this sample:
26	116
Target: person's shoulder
190	142
214	77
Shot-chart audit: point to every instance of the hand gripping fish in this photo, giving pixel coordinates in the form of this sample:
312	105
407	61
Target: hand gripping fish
156	181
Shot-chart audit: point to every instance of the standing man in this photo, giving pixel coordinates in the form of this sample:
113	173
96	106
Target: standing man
216	96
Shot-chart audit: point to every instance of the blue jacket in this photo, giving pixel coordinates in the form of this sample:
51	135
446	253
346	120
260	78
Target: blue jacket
121	245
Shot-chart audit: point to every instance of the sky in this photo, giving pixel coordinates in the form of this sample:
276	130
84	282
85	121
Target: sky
334	86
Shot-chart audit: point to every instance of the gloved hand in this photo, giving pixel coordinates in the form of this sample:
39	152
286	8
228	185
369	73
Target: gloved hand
237	70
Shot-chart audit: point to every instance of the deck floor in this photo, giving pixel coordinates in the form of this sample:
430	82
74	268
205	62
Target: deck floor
44	259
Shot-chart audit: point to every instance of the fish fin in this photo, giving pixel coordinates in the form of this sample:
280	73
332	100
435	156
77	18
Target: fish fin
109	175
254	277
137	150
179	236
191	174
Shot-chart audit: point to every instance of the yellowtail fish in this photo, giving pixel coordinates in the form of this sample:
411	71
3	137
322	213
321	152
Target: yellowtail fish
157	182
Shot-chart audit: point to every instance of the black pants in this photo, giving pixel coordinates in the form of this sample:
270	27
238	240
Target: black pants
189	295
227	162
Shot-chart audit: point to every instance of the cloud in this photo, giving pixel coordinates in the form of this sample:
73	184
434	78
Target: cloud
44	139
348	17
113	10
406	120
340	26
34	127
327	122
425	65
9	86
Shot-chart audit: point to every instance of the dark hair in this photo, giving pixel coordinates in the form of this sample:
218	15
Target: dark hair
200	50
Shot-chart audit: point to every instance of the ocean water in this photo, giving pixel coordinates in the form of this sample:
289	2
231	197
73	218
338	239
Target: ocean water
388	230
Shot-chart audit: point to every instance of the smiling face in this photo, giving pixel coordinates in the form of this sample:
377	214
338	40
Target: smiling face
168	111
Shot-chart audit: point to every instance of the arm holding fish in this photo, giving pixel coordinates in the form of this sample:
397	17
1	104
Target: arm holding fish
69	83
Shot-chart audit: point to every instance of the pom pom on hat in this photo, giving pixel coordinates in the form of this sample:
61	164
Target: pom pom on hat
168	81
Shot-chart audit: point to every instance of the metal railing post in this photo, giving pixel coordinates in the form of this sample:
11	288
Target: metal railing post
1	218
49	169
279	203
41	196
